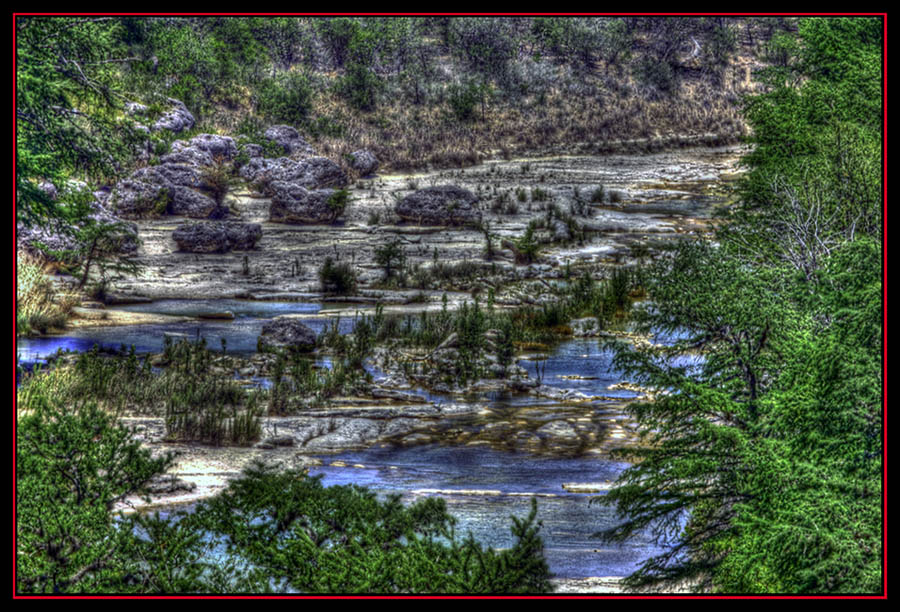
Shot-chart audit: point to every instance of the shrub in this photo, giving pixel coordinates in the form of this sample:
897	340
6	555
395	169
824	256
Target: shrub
313	539
527	247
217	179
338	278
463	100
338	201
73	463
391	257
286	99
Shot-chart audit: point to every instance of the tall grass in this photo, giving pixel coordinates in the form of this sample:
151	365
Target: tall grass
39	305
199	402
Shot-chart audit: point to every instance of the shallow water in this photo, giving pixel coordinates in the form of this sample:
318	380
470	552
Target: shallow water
484	487
240	334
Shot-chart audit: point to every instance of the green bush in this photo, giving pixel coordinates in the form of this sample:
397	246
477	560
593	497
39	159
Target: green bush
338	201
286	99
391	257
338	278
656	74
463	100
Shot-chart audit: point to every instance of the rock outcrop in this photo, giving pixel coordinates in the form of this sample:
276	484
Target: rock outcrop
135	198
440	205
311	173
177	119
363	161
215	145
293	203
289	140
217	236
286	333
168	188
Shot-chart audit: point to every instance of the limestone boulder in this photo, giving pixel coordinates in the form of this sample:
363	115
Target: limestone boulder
187	202
177	119
364	162
136	198
217	146
217	236
286	333
293	203
169	174
188	156
440	205
289	140
311	173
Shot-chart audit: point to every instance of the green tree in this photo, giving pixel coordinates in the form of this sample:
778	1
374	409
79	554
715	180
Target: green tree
68	108
287	98
73	464
763	468
343	539
391	257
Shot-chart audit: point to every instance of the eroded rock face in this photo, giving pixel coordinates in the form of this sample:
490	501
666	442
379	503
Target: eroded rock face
168	188
135	198
293	203
311	173
286	333
364	162
177	119
188	202
217	237
215	145
289	140
440	205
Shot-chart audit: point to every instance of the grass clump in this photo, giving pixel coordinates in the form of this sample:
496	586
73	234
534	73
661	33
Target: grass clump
39	306
198	399
338	278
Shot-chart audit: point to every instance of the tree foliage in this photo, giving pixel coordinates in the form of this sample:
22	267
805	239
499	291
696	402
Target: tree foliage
763	466
270	530
68	108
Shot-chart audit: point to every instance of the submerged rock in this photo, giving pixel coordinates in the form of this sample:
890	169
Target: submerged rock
217	236
286	333
440	205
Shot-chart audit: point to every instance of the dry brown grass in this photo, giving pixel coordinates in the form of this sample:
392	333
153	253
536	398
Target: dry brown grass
40	306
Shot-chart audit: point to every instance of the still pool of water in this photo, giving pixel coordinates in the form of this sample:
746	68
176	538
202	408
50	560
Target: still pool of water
240	334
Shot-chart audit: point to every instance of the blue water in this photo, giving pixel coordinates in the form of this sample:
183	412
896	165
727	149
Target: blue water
240	334
240	308
484	487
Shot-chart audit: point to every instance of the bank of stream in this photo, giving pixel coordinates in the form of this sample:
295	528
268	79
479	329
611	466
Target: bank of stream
487	454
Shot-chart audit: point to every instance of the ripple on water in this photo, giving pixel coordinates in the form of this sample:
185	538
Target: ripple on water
484	487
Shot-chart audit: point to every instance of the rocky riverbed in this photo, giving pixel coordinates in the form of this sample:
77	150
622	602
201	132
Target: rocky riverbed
565	403
617	202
